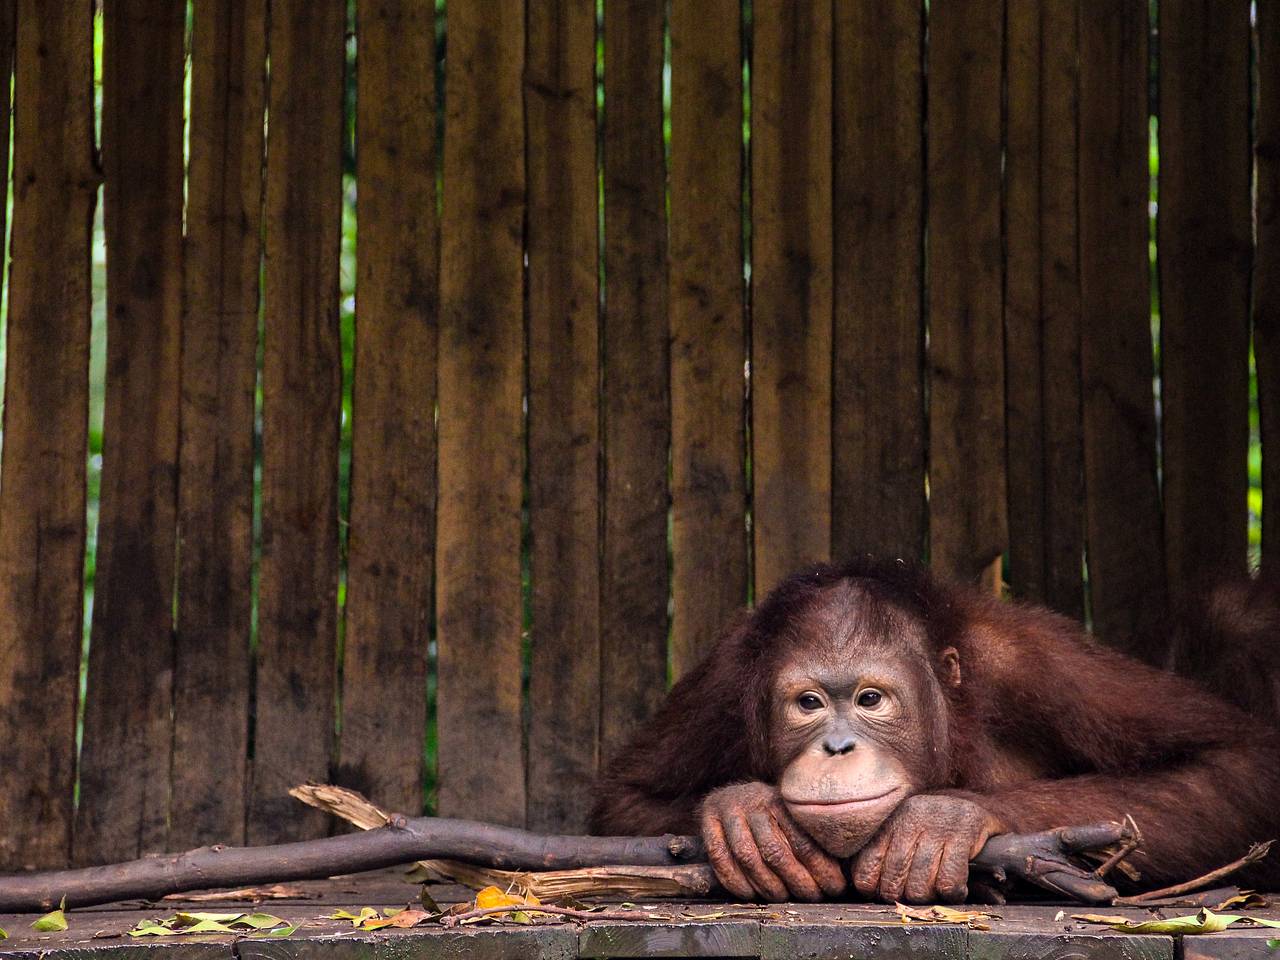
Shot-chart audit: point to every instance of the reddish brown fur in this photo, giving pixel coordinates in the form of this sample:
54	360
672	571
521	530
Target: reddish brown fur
1229	640
1046	728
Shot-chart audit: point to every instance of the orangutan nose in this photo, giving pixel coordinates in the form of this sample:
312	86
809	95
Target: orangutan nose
838	744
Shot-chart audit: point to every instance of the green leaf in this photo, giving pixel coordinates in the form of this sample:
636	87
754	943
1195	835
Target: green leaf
52	921
4	934
261	921
1206	921
149	928
366	914
224	923
207	926
277	932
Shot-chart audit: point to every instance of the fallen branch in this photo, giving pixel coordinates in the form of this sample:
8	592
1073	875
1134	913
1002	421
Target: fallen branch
1122	851
1256	853
1042	858
398	842
452	920
614	882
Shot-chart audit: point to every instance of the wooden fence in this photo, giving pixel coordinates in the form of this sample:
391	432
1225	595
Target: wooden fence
581	437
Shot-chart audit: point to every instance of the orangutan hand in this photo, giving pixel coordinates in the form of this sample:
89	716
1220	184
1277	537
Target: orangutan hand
758	851
921	853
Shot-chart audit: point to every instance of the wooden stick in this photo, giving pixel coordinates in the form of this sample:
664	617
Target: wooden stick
1256	853
452	920
1041	858
614	882
400	841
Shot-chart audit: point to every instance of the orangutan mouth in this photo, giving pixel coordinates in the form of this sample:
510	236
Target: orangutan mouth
832	804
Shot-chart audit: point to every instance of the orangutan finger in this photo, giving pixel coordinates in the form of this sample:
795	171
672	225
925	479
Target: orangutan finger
952	881
897	863
922	876
823	867
776	852
743	847
721	860
870	865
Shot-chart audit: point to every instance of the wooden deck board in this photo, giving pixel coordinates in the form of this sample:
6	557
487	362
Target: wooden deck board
769	932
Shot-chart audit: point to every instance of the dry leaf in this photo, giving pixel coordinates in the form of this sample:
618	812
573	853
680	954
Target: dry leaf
1244	900
400	919
974	919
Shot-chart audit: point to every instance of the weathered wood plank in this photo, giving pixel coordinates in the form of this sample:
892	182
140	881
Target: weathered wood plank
1266	277
791	305
967	511
708	328
825	939
392	533
726	938
128	729
42	478
481	438
635	402
1122	504
301	386
1043	428
878	412
531	943
564	447
219	372
1205	240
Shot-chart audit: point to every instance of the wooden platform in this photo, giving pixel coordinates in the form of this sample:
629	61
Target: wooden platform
773	932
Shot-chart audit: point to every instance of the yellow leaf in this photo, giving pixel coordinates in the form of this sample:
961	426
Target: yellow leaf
493	897
1206	921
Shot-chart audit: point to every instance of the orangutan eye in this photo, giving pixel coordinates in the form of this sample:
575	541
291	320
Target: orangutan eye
870	699
809	701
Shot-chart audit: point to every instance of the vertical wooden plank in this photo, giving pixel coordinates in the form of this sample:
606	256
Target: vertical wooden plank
219	372
1043	426
564	379
967	518
392	534
791	306
42	479
1205	238
125	761
301	386
878	415
708	335
1122	505
1266	278
481	422
635	402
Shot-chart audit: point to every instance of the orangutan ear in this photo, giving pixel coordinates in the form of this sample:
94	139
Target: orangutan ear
950	660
